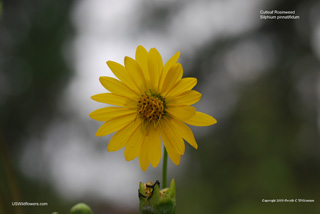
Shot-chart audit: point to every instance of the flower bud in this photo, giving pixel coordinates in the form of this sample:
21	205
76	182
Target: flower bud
80	208
156	201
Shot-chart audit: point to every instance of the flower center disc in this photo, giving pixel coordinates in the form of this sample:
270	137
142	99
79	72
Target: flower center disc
151	107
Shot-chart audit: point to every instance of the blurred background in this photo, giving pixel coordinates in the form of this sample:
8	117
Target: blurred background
259	78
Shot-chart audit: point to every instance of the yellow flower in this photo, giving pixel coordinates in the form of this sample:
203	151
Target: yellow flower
153	103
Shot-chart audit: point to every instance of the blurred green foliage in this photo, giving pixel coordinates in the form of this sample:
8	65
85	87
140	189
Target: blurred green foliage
0	9
267	148
33	73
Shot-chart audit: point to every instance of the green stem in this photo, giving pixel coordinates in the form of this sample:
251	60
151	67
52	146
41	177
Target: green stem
164	168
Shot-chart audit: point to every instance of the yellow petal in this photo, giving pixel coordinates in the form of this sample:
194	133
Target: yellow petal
172	61
181	112
131	104
187	98
155	66
200	119
143	156
122	137
182	86
119	88
169	147
122	74
133	146
169	133
115	124
142	60
154	146
184	131
174	157
173	76
107	113
118	70
110	98
136	74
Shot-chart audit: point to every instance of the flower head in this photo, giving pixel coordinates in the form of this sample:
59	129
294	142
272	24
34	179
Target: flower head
151	102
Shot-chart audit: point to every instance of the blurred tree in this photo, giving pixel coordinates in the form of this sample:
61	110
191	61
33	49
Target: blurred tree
33	73
266	148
